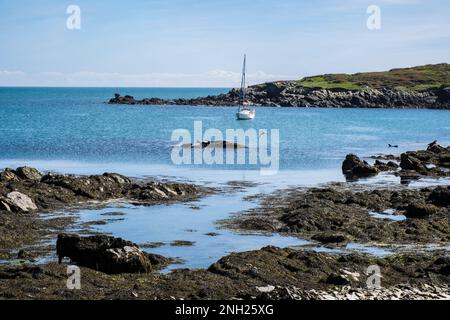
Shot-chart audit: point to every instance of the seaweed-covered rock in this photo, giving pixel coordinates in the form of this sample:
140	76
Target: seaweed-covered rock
103	253
420	210
410	162
436	148
327	237
382	166
29	173
8	175
440	196
355	167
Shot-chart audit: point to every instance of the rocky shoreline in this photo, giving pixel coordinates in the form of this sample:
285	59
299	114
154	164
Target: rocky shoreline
341	213
268	273
330	216
416	87
290	94
25	192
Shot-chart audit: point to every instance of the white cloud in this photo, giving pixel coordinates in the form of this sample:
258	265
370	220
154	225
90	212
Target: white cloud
11	73
213	78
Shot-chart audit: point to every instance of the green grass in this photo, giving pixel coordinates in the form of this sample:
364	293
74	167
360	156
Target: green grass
416	79
324	83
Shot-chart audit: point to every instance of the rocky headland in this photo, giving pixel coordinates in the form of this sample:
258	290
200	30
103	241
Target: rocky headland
419	87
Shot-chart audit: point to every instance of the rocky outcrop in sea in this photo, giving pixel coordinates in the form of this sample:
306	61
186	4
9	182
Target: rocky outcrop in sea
291	94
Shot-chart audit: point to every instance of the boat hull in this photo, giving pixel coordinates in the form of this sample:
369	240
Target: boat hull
246	115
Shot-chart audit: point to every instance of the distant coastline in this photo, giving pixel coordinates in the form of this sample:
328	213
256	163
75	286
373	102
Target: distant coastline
418	87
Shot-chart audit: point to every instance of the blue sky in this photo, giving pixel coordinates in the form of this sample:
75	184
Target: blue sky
201	42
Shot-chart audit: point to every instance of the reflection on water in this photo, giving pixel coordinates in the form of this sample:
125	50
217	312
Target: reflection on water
192	222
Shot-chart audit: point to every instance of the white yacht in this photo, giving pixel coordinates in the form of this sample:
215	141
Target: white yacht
244	111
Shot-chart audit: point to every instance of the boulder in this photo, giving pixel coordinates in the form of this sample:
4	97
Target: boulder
20	202
103	253
409	162
436	148
420	210
8	175
29	173
354	166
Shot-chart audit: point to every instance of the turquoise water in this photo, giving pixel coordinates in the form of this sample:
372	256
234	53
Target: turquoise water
75	125
73	130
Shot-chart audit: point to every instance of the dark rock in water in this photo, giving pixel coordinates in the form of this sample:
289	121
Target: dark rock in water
224	145
103	253
436	148
381	166
219	144
409	162
337	280
385	157
440	196
355	167
444	160
419	210
29	173
427	162
329	238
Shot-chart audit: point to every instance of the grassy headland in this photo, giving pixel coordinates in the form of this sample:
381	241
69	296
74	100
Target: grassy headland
414	79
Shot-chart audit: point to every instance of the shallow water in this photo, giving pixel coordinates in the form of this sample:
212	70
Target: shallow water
188	222
388	214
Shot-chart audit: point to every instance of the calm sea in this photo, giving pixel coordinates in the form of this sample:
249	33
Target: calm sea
64	128
73	130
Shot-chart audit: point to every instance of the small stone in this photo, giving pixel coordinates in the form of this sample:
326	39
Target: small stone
266	289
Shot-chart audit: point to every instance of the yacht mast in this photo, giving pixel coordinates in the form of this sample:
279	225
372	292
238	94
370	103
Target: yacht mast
243	90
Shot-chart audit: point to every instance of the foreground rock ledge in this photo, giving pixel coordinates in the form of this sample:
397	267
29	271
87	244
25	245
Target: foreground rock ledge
269	273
